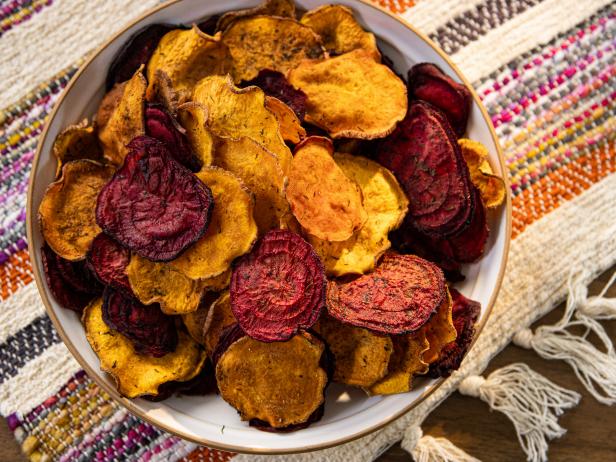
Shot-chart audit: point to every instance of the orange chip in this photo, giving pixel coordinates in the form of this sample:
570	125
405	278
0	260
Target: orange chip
76	142
193	117
290	127
440	331
491	187
218	317
109	103
282	8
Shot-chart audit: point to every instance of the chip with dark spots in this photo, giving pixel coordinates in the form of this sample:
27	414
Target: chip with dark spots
204	383
150	330
398	297
161	125
425	157
108	261
465	313
427	82
137	51
274	83
278	288
153	205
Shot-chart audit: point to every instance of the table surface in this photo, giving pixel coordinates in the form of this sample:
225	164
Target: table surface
486	435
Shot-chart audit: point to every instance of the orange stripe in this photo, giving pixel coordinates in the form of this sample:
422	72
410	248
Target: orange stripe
15	273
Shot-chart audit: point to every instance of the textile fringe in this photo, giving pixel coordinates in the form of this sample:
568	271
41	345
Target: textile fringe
531	401
425	448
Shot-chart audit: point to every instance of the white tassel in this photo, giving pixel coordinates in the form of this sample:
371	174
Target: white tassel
425	448
529	400
596	369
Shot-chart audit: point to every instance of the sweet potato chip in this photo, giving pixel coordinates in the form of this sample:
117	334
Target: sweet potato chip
351	95
66	213
340	31
491	187
126	122
235	112
154	282
385	204
232	230
280	383
360	356
440	331
282	8
260	171
219	316
406	362
268	42
137	374
218	283
290	127
193	117
161	92
108	104
325	201
195	320
76	142
187	56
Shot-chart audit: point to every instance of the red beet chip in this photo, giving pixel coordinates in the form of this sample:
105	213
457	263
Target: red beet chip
465	313
398	297
274	83
424	155
278	288
161	125
153	205
427	82
468	246
150	330
108	260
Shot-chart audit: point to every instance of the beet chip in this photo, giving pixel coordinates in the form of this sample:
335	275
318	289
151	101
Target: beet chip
398	297
274	83
428	82
108	260
425	157
278	288
161	125
465	313
153	205
71	283
151	332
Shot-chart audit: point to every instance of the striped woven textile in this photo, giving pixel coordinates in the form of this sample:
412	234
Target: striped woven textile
545	70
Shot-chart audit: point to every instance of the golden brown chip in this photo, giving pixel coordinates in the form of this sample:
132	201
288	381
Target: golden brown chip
109	103
235	112
136	374
154	282
440	331
268	42
491	187
76	142
280	383
282	8
195	320
218	283
386	205
187	56
161	91
290	127
360	356
232	230
126	122
405	362
193	117
219	316
261	173
351	95
326	202
340	31
67	210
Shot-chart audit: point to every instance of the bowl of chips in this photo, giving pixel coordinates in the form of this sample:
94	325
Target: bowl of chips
269	228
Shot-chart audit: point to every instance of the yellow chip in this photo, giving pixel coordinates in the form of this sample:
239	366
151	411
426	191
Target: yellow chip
351	95
154	282
127	120
439	331
232	230
406	362
67	210
261	173
326	202
137	374
76	142
218	283
235	112
290	127
340	31
193	117
386	205
268	42
282	8
491	187
219	316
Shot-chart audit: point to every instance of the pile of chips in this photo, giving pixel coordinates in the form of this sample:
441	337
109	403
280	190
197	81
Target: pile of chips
224	223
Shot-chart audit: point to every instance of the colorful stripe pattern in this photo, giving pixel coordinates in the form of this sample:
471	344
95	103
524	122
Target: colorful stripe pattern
553	109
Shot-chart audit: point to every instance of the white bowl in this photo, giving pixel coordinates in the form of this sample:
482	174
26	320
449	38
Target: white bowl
349	413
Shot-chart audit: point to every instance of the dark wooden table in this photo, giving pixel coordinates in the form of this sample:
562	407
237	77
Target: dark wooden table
489	436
